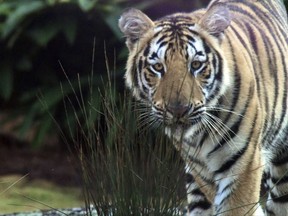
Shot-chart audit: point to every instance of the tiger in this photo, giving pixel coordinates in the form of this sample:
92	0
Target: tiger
216	80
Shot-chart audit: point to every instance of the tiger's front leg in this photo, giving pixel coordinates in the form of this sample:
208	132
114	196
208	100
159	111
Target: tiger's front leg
230	190
198	203
276	174
235	196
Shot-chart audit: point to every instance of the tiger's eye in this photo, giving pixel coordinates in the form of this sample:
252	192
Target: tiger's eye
158	67
196	65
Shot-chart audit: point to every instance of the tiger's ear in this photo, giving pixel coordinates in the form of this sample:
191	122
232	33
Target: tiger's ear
133	23
216	19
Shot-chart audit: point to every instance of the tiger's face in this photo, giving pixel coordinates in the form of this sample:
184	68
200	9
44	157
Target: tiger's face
172	67
175	74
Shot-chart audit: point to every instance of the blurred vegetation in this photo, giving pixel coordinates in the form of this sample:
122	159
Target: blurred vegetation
36	35
40	39
18	194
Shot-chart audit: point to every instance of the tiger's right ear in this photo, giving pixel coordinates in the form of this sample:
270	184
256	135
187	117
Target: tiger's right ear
133	23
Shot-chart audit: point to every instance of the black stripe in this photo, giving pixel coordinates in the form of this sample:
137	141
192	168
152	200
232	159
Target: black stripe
163	44
142	95
279	181
147	78
200	204
206	47
157	33
196	161
154	55
193	32
189	178
266	175
145	89
270	212
197	192
227	137
161	39
135	74
140	66
216	82
279	199
147	50
206	180
223	200
226	197
252	36
190	38
226	187
232	160
280	160
219	71
214	62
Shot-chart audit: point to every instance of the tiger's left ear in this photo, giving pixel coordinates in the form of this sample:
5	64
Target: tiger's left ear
216	19
134	24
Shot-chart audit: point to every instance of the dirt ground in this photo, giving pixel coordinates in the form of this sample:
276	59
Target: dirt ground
53	162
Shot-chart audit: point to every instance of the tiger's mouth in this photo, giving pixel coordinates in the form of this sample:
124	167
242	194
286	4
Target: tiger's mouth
183	122
186	122
178	117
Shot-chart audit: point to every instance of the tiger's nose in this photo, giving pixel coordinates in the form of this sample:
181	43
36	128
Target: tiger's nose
178	110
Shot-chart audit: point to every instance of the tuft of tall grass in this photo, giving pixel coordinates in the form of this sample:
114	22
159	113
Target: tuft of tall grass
128	167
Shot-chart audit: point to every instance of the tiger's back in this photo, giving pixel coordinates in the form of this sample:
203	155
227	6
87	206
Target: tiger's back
217	81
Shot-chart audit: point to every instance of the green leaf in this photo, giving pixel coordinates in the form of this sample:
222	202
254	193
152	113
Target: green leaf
52	2
6	81
113	24
19	15
70	29
45	33
5	9
87	5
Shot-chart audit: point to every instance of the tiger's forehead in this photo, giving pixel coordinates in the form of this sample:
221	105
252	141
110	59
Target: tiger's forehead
175	35
178	20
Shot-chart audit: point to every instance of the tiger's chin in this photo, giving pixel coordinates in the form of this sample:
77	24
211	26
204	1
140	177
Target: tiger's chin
184	122
179	129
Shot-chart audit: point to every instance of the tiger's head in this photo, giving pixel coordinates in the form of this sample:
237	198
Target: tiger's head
175	64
